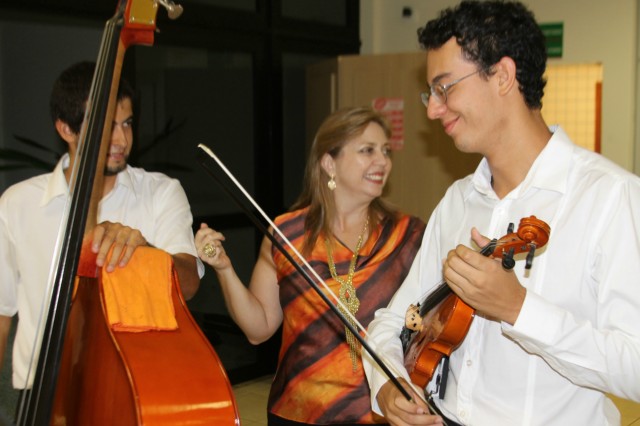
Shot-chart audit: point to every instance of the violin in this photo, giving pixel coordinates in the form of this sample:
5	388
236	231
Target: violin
437	326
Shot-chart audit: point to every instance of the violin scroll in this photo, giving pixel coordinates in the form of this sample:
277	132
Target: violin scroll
532	233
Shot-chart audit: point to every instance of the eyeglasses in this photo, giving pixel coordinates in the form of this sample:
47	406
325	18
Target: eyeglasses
439	91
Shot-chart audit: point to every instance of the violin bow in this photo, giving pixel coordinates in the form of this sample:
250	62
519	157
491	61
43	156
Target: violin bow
207	154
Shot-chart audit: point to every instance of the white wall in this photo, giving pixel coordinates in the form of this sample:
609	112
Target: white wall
594	31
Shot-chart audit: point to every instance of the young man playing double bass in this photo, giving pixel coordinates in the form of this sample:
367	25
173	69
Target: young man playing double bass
547	344
137	208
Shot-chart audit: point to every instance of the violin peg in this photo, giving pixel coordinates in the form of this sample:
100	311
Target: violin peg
529	262
510	228
507	259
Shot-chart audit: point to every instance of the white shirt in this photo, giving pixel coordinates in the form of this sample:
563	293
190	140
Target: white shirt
30	215
578	333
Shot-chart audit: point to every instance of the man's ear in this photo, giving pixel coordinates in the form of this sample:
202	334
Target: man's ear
505	72
65	131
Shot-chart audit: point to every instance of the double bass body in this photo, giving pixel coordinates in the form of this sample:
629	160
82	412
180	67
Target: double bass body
153	378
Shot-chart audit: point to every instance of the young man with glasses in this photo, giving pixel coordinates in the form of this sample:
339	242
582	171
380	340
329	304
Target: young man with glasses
547	344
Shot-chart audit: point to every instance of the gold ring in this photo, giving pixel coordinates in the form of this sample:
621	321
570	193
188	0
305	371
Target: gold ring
209	250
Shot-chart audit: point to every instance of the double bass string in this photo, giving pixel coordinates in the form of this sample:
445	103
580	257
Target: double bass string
67	249
387	367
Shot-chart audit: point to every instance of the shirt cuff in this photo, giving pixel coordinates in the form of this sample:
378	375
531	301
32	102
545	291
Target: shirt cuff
537	320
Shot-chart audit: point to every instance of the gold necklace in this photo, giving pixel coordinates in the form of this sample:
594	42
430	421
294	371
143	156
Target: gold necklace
347	293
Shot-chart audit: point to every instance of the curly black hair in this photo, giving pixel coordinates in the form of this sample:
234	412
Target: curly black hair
487	31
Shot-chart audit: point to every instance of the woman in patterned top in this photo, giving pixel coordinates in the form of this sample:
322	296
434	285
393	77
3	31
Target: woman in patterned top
360	246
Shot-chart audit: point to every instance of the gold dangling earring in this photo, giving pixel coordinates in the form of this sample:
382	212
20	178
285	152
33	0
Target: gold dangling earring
332	183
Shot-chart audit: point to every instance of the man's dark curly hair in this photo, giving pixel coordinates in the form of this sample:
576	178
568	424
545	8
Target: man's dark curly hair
487	31
71	91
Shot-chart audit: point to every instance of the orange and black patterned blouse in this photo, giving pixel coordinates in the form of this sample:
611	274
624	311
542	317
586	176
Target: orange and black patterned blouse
315	382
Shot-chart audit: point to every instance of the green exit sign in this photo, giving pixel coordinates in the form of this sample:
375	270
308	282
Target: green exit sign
553	38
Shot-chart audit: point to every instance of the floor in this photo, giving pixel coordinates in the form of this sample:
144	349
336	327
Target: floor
630	411
251	397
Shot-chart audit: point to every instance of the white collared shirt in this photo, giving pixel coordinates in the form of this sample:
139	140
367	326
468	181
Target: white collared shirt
30	216
578	333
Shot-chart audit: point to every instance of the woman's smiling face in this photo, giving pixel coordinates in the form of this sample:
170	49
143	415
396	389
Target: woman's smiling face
363	164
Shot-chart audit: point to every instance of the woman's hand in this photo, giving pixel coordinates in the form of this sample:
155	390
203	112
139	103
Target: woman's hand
255	308
210	250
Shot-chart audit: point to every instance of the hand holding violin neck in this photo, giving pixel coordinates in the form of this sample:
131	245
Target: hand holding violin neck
445	319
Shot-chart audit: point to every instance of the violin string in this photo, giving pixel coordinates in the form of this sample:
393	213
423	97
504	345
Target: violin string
318	279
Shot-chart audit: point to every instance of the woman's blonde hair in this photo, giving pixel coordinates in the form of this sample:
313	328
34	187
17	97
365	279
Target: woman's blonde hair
333	134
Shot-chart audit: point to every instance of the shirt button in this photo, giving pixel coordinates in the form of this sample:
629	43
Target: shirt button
462	414
469	362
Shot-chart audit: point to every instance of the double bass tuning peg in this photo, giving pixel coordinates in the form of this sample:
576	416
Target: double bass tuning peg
173	10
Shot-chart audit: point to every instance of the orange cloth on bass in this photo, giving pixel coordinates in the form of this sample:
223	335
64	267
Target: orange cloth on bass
138	296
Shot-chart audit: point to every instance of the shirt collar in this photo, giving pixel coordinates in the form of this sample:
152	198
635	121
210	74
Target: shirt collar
58	186
125	179
549	171
481	180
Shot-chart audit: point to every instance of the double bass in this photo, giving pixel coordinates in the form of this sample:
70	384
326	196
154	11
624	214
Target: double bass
435	327
88	373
